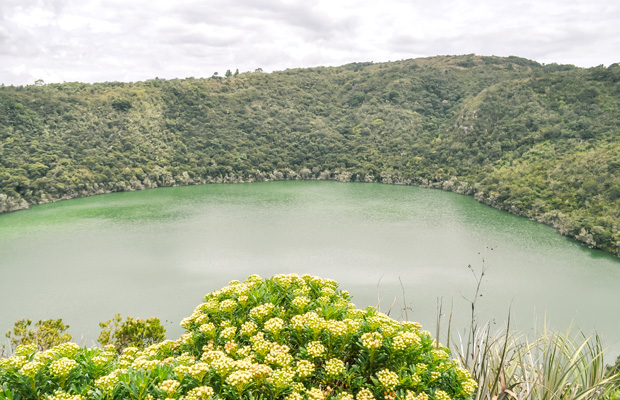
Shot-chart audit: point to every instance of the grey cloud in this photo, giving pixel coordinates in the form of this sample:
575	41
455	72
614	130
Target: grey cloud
199	39
318	24
196	37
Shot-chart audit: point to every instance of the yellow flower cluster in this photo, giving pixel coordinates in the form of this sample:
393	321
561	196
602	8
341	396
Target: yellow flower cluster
315	394
213	304
337	328
259	344
17	361
200	393
285	280
240	378
242	290
169	386
313	321
245	351
228	305
208	329
144	364
353	325
381	321
405	340
388	379
274	325
201	319
411	326
345	396
248	328
261	311
372	340
66	349
462	374
60	395
260	371
301	302
334	367
48	355
103	359
441	395
282	378
228	333
223	365
186	338
32	368
199	370
315	349
440	354
412	396
62	367
153	351
107	382
304	368
302	290
230	347
415	379
295	396
180	371
364	394
26	349
469	386
131	351
279	355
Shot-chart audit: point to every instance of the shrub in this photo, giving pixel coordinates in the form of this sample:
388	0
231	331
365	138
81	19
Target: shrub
45	334
133	332
287	337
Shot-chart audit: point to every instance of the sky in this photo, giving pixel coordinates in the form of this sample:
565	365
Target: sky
134	40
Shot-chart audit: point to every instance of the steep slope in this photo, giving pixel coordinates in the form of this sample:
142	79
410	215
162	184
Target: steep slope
539	141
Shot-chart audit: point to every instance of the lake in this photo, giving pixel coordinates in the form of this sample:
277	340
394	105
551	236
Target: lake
158	252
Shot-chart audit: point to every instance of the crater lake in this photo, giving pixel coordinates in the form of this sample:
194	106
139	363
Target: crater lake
404	249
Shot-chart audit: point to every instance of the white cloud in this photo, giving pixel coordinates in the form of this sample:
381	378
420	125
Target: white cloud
89	40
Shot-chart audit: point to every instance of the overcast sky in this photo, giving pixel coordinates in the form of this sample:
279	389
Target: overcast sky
131	40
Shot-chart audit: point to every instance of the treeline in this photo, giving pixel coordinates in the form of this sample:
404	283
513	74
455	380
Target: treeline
537	140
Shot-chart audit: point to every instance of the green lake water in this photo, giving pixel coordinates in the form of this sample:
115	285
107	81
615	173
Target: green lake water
158	252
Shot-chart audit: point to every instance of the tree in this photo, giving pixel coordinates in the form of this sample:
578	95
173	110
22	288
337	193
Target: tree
46	334
228	73
134	332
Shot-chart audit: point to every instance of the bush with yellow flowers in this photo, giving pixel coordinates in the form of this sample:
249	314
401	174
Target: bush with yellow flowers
289	337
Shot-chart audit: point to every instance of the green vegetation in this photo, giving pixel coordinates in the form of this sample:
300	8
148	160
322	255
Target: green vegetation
550	366
288	337
45	334
133	332
116	333
540	141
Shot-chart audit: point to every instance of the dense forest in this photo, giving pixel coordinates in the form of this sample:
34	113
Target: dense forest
542	141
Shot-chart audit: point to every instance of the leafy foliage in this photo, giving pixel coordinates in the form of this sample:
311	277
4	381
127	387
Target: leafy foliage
45	334
539	141
133	332
553	365
288	337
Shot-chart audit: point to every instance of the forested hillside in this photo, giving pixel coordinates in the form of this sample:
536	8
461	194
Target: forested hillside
539	141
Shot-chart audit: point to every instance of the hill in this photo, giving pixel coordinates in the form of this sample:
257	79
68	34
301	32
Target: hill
540	141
